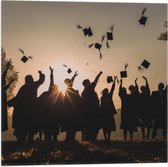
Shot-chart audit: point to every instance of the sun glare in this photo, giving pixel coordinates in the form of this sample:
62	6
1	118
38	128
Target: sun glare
62	88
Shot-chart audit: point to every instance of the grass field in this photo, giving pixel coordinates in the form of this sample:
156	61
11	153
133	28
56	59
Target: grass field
83	152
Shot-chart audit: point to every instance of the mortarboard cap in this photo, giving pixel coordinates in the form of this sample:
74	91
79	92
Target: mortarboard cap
24	59
109	36
142	20
145	64
123	74
98	46
109	79
86	31
69	70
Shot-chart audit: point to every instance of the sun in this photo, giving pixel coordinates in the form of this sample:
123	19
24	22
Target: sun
62	88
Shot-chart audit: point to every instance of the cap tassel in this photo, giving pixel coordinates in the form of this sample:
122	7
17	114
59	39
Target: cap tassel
143	11
126	65
112	28
101	55
91	45
107	44
21	50
140	68
30	57
103	38
78	26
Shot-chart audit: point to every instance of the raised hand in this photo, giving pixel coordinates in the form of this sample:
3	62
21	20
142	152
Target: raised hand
115	77
136	79
39	72
51	69
76	74
144	77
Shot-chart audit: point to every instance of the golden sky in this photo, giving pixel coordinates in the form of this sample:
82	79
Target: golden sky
47	31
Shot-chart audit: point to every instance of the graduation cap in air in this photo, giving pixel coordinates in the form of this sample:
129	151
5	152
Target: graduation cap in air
143	19
69	69
145	64
109	79
123	74
24	58
109	36
86	31
98	46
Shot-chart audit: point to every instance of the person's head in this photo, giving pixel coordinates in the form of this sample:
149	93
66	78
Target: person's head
68	82
105	92
29	79
132	88
160	86
86	82
143	89
123	90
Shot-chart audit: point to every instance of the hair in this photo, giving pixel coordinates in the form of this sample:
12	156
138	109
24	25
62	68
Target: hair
143	88
85	82
131	88
160	86
29	79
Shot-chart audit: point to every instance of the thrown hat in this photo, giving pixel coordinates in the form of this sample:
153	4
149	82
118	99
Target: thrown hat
98	46
24	58
123	74
109	36
143	19
109	79
86	31
145	64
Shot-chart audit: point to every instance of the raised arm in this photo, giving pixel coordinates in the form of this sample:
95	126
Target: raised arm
136	85
74	76
97	78
113	86
121	83
41	78
51	76
147	85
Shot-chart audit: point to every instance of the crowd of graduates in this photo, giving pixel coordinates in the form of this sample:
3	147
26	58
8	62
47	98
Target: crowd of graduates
54	112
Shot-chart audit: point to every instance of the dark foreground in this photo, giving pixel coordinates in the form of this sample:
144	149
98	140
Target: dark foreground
83	152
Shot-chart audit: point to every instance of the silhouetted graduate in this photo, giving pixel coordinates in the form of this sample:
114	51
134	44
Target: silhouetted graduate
91	108
49	107
107	111
24	104
128	109
143	19
144	109
98	46
158	109
24	58
70	122
5	87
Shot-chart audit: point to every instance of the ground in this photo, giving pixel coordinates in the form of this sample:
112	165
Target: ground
83	152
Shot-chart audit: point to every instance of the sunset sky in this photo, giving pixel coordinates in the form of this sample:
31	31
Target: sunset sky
47	31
